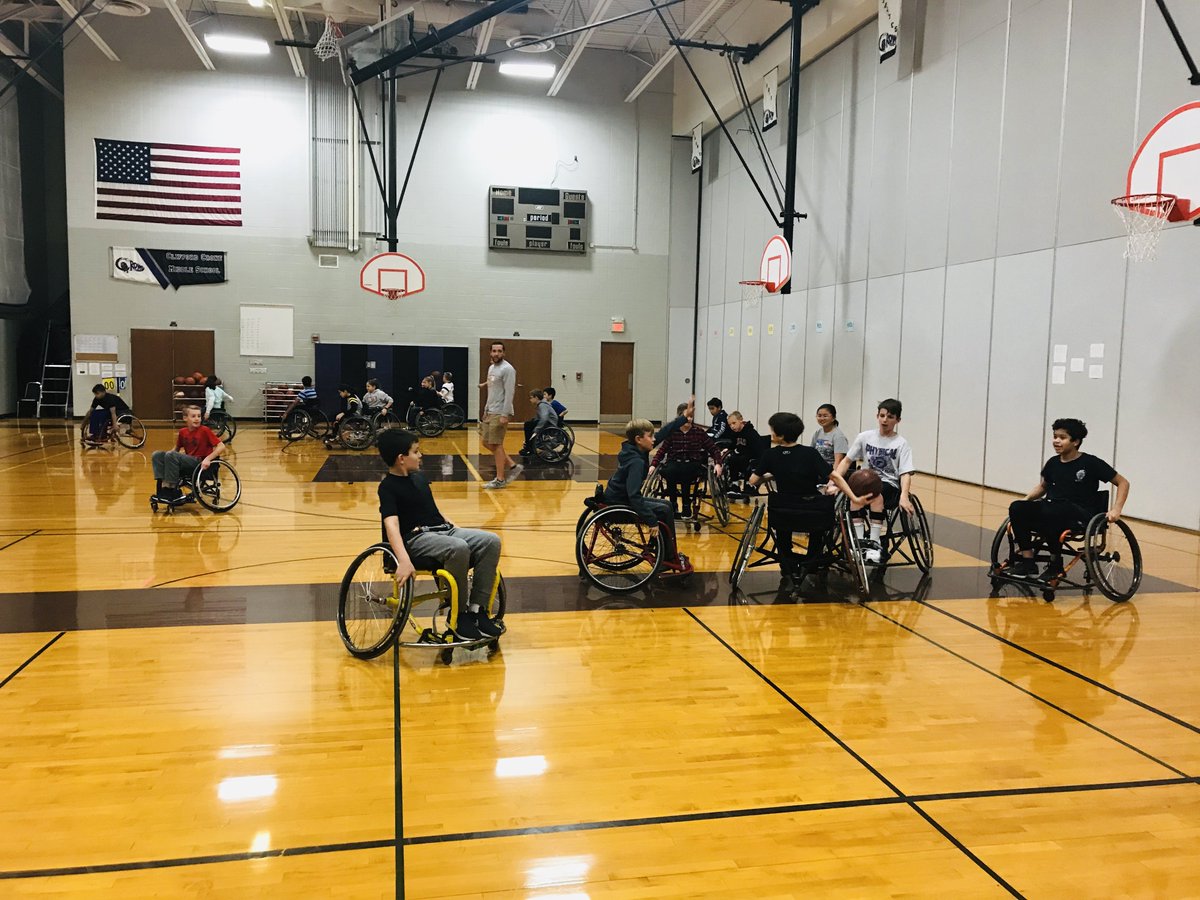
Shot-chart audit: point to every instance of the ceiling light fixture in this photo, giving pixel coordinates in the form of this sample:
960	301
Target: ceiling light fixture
258	3
541	71
228	43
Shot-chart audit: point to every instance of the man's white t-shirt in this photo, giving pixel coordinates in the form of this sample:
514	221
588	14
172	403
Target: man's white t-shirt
890	457
502	388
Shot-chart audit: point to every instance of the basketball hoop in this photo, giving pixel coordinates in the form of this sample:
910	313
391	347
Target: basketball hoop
1144	216
393	294
753	291
327	43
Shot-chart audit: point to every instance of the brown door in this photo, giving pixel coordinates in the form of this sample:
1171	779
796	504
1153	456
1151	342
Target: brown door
531	359
157	355
616	381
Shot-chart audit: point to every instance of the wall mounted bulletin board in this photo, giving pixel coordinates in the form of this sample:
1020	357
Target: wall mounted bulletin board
267	331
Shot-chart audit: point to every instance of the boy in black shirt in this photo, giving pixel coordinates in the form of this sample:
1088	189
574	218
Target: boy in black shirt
748	445
413	525
797	503
351	406
1070	484
102	417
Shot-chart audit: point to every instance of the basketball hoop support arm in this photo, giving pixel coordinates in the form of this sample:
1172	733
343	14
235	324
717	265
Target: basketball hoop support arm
1187	57
789	214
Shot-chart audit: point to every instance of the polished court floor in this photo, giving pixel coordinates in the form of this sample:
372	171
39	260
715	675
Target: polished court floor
180	717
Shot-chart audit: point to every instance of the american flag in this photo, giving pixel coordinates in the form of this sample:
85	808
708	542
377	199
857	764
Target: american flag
172	184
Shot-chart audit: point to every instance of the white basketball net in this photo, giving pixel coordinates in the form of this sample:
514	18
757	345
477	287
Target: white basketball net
327	43
1144	216
753	291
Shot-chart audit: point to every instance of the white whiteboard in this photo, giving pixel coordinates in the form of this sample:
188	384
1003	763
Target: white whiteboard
267	331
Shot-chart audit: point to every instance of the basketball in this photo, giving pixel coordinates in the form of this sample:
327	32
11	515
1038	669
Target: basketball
198	378
189	380
179	379
865	482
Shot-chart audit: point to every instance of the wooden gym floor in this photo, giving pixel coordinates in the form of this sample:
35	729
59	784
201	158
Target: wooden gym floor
181	719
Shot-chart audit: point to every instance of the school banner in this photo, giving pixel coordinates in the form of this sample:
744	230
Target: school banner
889	28
168	268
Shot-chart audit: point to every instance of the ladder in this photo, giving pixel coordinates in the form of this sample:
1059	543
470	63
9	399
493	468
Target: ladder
55	392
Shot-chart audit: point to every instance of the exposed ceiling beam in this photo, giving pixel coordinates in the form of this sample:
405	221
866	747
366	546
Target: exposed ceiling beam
481	45
564	70
89	31
641	30
182	22
672	52
17	56
285	31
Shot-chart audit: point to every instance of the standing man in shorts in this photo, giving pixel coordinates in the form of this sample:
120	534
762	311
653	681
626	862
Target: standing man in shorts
493	423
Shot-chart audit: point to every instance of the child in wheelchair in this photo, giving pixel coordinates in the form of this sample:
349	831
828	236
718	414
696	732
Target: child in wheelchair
1063	500
102	416
681	454
797	505
414	527
746	449
423	397
544	417
195	447
889	455
306	398
633	468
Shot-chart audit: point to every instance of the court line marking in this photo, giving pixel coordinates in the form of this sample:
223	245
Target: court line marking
1024	690
22	538
39	447
966	851
1067	669
534	830
462	454
17	671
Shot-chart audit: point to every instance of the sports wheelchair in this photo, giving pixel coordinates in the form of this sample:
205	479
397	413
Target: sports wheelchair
831	554
216	488
454	414
358	431
1111	556
304	421
374	607
553	444
222	424
710	501
905	540
619	552
129	432
427	422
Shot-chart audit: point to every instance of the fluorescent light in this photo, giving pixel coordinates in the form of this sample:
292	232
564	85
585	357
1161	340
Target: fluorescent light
258	3
541	71
227	43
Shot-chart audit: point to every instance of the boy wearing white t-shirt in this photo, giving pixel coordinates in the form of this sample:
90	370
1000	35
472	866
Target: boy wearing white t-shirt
889	455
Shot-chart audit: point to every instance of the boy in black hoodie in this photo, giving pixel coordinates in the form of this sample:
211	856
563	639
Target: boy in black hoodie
633	469
748	446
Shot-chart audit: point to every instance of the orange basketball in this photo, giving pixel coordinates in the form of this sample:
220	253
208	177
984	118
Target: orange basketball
189	380
198	377
179	379
865	482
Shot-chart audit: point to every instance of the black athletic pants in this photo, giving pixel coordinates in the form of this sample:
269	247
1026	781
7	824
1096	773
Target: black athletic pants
1046	518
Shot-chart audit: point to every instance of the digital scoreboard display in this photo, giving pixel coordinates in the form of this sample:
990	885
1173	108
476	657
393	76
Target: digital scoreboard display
522	218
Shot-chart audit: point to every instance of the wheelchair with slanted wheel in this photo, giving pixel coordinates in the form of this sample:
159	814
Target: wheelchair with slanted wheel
553	444
709	502
128	432
304	421
375	609
820	531
216	488
1109	552
905	540
358	431
619	552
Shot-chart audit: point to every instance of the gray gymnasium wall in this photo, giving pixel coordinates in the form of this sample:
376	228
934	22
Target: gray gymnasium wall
497	134
960	219
13	288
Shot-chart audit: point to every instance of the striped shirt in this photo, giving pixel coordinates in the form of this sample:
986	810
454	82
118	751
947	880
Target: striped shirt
687	446
307	396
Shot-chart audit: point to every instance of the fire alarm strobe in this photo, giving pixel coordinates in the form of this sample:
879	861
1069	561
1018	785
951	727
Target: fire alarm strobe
392	275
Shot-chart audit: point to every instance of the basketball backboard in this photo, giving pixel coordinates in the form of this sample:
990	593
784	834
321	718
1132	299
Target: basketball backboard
1168	162
775	268
392	275
371	43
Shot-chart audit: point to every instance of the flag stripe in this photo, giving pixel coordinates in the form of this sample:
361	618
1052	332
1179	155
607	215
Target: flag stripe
194	148
167	220
170	195
180	184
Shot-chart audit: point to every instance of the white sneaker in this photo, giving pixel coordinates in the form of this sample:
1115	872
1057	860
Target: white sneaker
871	553
515	471
493	484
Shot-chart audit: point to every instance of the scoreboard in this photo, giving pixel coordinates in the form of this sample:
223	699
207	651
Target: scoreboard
522	218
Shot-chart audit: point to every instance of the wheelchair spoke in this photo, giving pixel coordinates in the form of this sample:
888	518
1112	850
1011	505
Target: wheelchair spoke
371	605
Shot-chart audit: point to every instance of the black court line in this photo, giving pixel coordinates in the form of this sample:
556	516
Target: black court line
22	538
19	669
1029	693
39	447
1183	723
535	830
966	851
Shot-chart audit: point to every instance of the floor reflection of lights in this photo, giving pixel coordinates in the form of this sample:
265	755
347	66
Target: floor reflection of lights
559	872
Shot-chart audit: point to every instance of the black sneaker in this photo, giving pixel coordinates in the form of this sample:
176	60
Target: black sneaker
170	495
1052	571
468	628
1023	568
489	627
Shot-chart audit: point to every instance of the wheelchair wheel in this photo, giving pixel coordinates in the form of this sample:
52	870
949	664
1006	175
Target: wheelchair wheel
223	425
720	502
1002	548
454	415
218	488
552	445
385	419
318	424
745	549
295	426
355	432
1113	558
130	431
617	551
852	545
920	540
656	485
372	606
430	422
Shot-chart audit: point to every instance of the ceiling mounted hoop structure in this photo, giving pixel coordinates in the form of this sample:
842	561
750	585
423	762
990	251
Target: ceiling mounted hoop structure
327	44
1144	216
